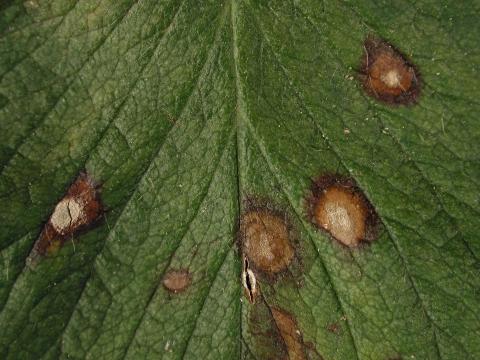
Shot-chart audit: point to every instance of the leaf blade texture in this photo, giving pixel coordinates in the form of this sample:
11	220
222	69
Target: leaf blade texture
187	111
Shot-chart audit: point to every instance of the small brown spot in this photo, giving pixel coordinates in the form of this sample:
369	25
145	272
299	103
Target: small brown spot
265	240
334	328
249	282
79	209
339	207
387	75
177	281
290	333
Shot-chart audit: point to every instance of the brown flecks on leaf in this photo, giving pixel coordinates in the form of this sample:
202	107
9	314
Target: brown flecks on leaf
339	207
249	282
387	75
334	328
290	333
79	209
177	281
265	240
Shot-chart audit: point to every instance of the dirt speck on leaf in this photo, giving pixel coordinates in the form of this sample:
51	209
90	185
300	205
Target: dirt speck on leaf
176	281
79	209
387	75
337	206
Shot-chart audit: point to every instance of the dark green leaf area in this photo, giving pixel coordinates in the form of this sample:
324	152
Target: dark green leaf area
185	112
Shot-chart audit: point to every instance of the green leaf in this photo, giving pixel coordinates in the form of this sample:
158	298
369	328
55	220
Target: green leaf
185	111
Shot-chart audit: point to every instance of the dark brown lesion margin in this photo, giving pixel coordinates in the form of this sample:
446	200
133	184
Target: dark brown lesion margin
374	47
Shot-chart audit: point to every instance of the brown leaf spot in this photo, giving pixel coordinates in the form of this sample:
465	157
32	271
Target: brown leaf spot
339	207
290	333
387	75
177	281
265	238
79	209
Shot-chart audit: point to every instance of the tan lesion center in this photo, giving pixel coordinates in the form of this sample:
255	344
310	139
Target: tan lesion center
342	214
389	75
340	222
266	241
67	214
392	79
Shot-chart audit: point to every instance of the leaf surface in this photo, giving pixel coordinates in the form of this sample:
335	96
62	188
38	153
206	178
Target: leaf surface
185	111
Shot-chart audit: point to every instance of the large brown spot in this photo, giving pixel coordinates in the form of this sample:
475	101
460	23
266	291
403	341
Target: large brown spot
177	281
338	206
290	333
265	240
387	75
79	209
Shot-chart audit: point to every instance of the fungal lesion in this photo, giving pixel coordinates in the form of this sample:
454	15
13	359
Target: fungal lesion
387	74
79	209
249	282
265	240
277	335
177	281
336	205
290	333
